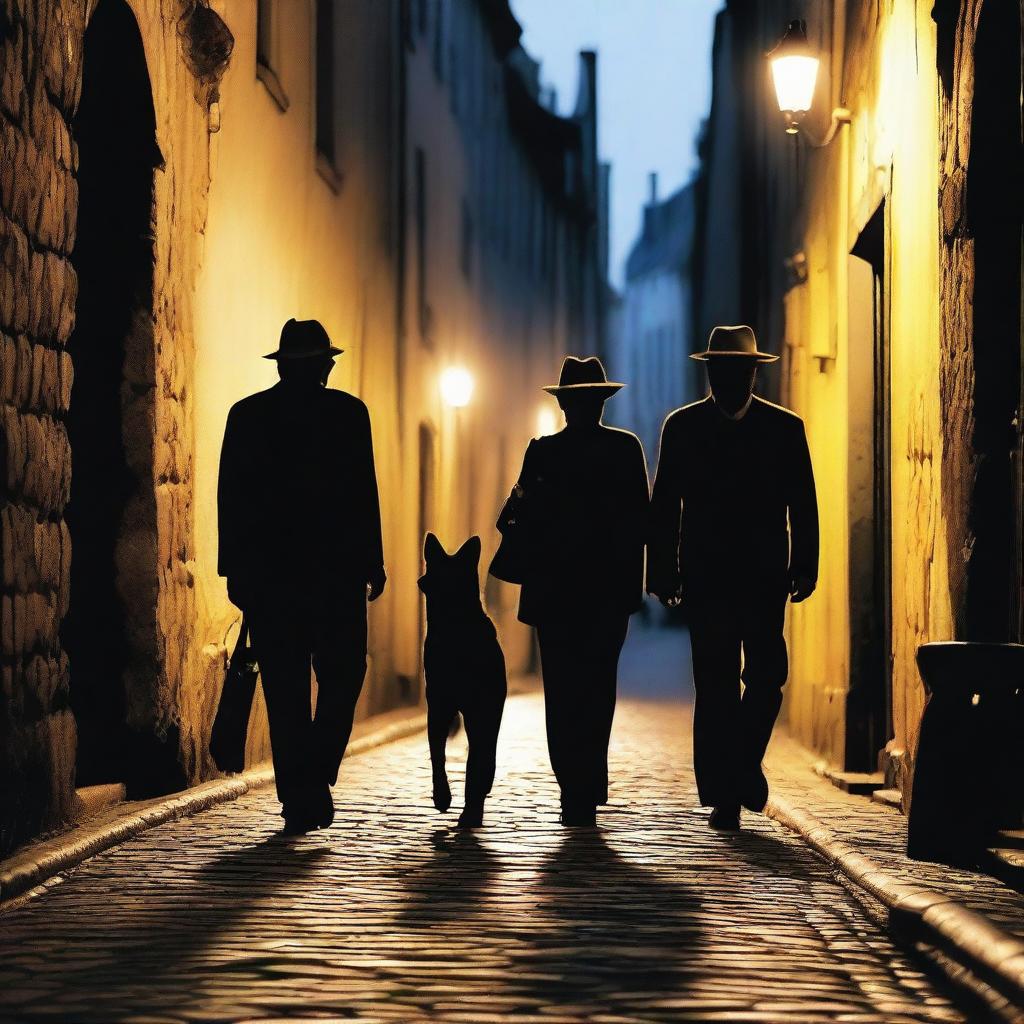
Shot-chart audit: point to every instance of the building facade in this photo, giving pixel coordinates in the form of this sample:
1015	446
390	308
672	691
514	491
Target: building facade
881	259
653	335
178	179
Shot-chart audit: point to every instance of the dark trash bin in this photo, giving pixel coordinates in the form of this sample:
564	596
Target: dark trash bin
968	779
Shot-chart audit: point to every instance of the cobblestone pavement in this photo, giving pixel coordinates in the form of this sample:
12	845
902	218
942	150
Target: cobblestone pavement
393	915
880	832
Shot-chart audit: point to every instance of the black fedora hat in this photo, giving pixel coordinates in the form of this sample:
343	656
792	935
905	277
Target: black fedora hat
580	374
733	343
303	339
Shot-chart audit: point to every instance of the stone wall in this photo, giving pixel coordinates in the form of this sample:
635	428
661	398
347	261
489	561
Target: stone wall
39	82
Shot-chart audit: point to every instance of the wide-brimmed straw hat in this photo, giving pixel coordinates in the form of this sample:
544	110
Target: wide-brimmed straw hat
733	343
304	339
583	375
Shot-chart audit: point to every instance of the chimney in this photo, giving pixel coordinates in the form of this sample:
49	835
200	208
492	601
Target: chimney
653	179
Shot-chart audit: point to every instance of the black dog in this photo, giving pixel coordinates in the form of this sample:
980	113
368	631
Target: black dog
465	671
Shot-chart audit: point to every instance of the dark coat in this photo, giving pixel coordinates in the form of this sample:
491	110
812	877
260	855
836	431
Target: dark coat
297	495
733	503
587	497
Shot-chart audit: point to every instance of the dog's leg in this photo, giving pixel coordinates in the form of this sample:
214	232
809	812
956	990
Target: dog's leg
439	720
482	732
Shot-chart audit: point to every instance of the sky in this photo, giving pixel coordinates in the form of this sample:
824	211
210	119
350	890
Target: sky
654	89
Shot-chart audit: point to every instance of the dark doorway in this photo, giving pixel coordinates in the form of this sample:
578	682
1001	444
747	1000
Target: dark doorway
426	517
869	703
994	206
115	129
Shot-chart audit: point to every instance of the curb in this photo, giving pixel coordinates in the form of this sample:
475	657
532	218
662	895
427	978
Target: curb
27	877
916	912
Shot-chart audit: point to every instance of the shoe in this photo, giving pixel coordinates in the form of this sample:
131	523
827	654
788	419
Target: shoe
755	792
472	816
579	816
725	819
325	810
298	824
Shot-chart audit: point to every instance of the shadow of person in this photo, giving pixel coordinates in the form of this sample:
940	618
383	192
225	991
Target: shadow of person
157	953
452	884
609	931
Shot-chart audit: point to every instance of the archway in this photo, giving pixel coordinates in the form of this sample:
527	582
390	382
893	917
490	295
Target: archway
111	620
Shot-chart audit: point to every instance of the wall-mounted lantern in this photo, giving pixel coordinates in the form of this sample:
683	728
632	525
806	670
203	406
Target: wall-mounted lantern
456	386
794	66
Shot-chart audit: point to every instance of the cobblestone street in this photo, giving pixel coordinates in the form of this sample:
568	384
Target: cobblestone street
393	915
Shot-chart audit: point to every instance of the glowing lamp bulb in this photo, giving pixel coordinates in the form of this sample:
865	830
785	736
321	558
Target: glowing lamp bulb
456	386
794	73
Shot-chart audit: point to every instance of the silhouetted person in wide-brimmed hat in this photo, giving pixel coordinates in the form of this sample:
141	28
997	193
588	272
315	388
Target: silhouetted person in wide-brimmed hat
734	533
584	498
300	545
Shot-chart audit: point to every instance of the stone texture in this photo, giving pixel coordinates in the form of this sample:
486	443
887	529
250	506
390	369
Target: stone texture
394	915
40	64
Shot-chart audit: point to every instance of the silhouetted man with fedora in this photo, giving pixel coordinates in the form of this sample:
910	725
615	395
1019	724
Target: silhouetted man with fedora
734	533
300	545
584	500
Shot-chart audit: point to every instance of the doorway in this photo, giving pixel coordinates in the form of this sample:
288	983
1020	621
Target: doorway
426	517
869	701
112	610
992	595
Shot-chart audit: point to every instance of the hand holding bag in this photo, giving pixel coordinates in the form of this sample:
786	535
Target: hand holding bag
227	738
520	521
509	562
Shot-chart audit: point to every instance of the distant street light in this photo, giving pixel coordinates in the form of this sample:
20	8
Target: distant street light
547	421
794	67
456	386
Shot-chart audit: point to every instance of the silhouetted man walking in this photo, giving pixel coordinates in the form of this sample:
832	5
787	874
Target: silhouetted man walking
300	545
585	498
734	532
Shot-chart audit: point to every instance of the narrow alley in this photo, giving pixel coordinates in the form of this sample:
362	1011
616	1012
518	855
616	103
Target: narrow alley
392	914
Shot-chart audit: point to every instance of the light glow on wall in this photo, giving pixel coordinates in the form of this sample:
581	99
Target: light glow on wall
456	386
547	421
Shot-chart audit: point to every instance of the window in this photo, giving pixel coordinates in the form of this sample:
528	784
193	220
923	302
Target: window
325	149
266	51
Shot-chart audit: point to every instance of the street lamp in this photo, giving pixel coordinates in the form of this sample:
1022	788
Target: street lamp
794	67
547	421
456	386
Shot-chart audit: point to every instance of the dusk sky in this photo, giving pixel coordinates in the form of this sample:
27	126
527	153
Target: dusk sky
654	88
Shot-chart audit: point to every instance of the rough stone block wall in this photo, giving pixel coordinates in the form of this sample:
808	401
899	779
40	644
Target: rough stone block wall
39	80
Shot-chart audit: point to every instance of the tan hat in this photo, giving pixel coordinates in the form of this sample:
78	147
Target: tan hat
733	342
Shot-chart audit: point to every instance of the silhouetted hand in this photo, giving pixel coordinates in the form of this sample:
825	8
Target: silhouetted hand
801	588
375	585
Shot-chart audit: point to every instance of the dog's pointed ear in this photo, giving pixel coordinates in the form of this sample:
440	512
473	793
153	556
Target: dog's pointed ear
470	550
432	548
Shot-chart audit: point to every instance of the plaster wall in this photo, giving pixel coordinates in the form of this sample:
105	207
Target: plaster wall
888	154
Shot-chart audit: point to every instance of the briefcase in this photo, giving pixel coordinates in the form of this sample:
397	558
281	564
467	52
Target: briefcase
227	738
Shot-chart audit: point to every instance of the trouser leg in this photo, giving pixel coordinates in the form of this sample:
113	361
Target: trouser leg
282	649
560	706
715	646
580	666
605	678
339	660
765	669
